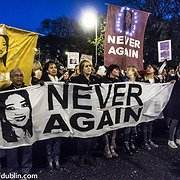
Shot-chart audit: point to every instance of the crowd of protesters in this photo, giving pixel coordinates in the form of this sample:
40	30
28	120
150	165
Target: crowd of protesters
84	73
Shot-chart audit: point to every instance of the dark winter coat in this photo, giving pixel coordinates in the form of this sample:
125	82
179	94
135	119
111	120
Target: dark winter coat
174	102
107	79
83	80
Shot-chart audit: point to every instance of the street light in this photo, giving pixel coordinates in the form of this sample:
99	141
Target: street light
89	20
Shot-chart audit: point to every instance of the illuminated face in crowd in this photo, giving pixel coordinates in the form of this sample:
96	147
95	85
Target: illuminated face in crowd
52	70
115	73
66	75
87	69
171	72
17	110
17	78
150	69
129	72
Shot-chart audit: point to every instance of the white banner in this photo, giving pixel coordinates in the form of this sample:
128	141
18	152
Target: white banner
64	110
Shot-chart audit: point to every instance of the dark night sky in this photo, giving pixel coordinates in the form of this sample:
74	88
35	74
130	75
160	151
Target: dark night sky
28	14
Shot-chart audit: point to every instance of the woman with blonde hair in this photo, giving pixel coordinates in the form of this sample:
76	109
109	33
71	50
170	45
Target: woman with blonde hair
36	72
84	145
132	74
130	133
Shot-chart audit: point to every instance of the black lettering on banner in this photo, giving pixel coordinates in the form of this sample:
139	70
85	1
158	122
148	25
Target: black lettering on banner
51	124
116	94
135	95
105	120
129	112
53	91
118	115
89	124
77	96
100	97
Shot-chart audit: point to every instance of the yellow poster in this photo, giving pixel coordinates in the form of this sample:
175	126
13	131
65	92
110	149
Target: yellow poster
17	50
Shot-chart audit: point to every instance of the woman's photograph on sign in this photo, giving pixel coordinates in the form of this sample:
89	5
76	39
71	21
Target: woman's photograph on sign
127	21
15	115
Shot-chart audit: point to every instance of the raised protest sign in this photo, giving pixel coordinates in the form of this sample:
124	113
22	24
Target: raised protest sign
72	110
86	56
164	50
17	47
73	60
124	36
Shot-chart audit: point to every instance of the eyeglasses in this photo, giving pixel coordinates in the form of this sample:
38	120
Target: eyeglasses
18	75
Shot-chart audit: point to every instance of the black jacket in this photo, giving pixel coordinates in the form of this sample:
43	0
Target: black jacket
107	79
156	80
83	80
12	87
173	106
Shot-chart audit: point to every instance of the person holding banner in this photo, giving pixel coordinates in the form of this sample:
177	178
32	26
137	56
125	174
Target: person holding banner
65	76
36	72
84	145
171	111
2	155
130	133
171	74
15	126
53	146
76	71
112	76
147	127
174	116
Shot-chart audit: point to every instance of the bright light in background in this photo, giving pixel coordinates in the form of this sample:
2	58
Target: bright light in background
89	21
89	18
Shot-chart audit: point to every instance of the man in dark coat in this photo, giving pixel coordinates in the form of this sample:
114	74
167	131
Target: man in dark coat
12	155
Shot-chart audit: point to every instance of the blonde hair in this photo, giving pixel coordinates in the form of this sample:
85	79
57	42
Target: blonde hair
37	66
134	69
37	69
81	65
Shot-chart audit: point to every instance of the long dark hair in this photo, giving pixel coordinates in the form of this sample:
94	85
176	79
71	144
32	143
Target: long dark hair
8	132
127	27
111	68
44	76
